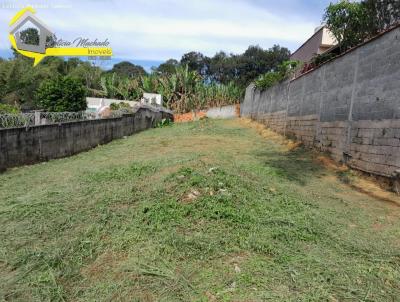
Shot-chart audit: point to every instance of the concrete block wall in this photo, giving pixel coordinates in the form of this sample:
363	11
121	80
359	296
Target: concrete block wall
302	128
223	112
349	107
22	146
275	121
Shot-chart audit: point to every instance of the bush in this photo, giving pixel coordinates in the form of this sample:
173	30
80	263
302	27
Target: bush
8	109
269	79
120	106
114	106
322	58
164	123
62	94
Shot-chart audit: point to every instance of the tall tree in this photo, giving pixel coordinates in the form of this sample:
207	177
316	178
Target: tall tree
243	69
168	67
353	22
256	61
196	61
128	69
347	22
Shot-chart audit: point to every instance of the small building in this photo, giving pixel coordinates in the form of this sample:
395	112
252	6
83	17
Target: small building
320	42
152	99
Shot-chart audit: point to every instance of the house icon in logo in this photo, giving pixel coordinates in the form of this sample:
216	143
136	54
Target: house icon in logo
33	39
17	26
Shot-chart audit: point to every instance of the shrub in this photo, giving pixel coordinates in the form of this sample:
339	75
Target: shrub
120	106
114	106
124	105
287	68
322	58
8	109
61	94
269	79
164	123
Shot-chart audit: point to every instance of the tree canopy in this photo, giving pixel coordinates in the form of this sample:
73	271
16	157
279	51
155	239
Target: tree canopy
61	94
167	67
353	22
225	68
128	69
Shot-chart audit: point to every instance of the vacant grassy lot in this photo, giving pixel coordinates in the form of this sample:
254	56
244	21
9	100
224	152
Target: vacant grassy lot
206	211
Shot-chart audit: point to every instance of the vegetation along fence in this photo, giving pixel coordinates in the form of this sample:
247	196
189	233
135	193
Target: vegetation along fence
13	120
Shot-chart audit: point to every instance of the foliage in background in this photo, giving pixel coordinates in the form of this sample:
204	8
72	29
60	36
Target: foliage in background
127	69
61	94
164	123
183	89
208	81
223	68
120	106
354	22
382	14
186	90
205	82
19	80
322	58
7	109
346	21
269	79
167	67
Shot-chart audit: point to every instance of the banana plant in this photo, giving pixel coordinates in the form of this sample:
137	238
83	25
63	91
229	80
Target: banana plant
182	91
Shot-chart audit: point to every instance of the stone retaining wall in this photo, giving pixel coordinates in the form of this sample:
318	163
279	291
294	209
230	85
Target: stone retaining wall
349	107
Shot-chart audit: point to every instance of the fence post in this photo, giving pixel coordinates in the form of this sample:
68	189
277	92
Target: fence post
37	118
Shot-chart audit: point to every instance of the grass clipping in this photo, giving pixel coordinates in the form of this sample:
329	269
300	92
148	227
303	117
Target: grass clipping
266	133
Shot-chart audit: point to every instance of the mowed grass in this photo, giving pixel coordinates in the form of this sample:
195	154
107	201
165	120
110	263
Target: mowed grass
204	211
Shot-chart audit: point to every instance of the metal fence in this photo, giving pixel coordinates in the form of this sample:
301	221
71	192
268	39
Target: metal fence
48	118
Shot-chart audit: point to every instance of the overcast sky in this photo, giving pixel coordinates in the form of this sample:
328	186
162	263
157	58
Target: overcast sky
162	29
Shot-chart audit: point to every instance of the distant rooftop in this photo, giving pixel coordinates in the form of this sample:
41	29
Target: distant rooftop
318	43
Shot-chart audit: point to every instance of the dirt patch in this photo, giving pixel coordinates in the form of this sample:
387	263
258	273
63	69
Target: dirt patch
189	117
238	258
237	110
331	164
266	133
367	186
191	196
372	186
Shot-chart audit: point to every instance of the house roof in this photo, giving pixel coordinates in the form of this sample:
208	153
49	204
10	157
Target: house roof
377	36
316	32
